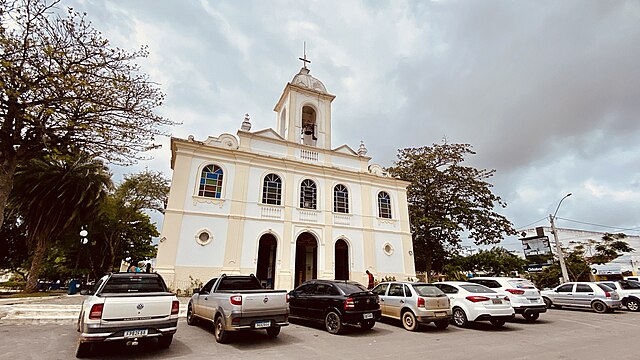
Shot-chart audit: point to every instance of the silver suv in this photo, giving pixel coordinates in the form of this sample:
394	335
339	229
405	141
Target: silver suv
414	303
599	297
524	296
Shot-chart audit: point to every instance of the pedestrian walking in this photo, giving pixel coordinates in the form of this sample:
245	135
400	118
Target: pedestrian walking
371	280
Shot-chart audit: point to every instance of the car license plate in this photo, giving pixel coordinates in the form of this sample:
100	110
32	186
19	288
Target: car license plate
441	314
496	301
262	324
533	300
135	333
367	316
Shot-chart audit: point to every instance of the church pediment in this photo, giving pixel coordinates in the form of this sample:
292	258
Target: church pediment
225	140
345	149
268	133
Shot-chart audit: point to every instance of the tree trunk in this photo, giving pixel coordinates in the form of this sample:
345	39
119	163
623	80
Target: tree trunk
36	266
428	261
7	172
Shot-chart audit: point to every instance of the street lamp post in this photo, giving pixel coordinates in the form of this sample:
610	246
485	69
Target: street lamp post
552	218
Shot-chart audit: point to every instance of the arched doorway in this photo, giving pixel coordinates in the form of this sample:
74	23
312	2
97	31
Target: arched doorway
266	267
342	260
306	258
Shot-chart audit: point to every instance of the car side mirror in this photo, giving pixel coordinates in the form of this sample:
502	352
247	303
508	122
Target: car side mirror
196	291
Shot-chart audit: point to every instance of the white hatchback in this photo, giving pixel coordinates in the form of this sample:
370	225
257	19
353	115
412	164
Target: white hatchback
474	302
523	295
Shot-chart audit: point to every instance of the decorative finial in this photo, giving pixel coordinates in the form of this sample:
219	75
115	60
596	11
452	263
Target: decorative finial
304	58
362	150
190	138
246	124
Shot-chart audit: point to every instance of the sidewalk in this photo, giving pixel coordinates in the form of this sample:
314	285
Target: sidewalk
61	309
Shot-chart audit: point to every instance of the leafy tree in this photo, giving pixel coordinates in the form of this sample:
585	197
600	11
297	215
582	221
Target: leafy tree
447	199
14	255
497	261
50	195
64	87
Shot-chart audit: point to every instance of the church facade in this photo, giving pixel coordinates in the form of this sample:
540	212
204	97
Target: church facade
282	203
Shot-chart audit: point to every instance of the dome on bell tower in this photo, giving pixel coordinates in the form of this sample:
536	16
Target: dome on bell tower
304	80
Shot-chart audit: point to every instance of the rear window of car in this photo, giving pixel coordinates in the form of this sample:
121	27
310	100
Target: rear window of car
476	289
521	284
239	283
350	288
133	284
428	290
604	287
630	284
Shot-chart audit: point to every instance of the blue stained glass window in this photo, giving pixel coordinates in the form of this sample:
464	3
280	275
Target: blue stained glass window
211	182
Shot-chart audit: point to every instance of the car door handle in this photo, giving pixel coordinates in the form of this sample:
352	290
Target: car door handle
590	294
381	300
401	301
206	298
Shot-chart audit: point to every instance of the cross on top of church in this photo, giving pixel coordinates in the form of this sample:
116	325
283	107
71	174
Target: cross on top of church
304	58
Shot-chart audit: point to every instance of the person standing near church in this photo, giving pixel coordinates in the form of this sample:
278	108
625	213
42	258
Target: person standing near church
371	280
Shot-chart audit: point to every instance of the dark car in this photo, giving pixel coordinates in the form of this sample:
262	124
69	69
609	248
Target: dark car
336	303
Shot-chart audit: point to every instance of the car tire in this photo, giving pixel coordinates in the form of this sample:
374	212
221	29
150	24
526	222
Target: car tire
632	304
531	317
547	302
273	332
409	321
497	322
460	318
191	319
333	323
221	335
83	349
442	324
165	341
367	324
599	307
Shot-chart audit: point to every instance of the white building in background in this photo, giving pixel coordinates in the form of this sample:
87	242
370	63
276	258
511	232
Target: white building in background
570	237
282	203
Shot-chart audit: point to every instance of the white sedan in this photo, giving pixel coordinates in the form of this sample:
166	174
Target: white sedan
474	302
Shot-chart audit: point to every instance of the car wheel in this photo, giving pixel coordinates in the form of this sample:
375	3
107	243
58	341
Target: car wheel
367	325
333	323
599	306
460	318
83	349
497	322
547	303
222	336
409	321
165	341
531	317
273	331
191	319
633	305
442	324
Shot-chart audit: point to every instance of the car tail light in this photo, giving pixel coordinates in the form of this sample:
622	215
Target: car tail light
236	300
476	299
175	307
607	294
349	304
96	312
421	302
287	298
515	291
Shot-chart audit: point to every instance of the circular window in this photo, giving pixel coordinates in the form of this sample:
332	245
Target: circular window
204	237
387	248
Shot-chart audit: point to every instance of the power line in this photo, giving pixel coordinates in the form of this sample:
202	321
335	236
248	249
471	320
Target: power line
535	222
600	225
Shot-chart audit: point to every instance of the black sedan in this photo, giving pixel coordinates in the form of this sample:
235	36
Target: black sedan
336	303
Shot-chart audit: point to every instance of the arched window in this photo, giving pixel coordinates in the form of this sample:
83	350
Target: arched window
211	182
341	199
272	190
308	194
384	205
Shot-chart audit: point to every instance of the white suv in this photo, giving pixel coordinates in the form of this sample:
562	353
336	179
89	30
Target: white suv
524	296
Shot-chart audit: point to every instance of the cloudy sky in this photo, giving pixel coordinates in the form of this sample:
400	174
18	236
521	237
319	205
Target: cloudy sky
547	92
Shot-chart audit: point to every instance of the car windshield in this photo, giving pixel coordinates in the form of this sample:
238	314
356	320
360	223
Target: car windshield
428	290
604	287
350	288
476	289
133	284
521	284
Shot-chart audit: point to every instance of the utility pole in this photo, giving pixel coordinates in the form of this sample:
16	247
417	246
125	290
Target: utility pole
552	218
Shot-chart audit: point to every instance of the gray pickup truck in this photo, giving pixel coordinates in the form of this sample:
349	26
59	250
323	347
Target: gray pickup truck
239	302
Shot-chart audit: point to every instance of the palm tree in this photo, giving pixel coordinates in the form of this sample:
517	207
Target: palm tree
50	194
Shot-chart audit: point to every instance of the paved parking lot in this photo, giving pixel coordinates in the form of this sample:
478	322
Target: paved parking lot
559	334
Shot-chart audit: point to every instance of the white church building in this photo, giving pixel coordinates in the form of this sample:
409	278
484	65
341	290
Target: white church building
282	203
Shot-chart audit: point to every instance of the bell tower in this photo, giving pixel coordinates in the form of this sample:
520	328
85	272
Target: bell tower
304	110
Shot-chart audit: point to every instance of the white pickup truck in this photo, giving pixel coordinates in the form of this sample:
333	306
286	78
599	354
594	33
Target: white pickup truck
239	302
127	307
628	290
